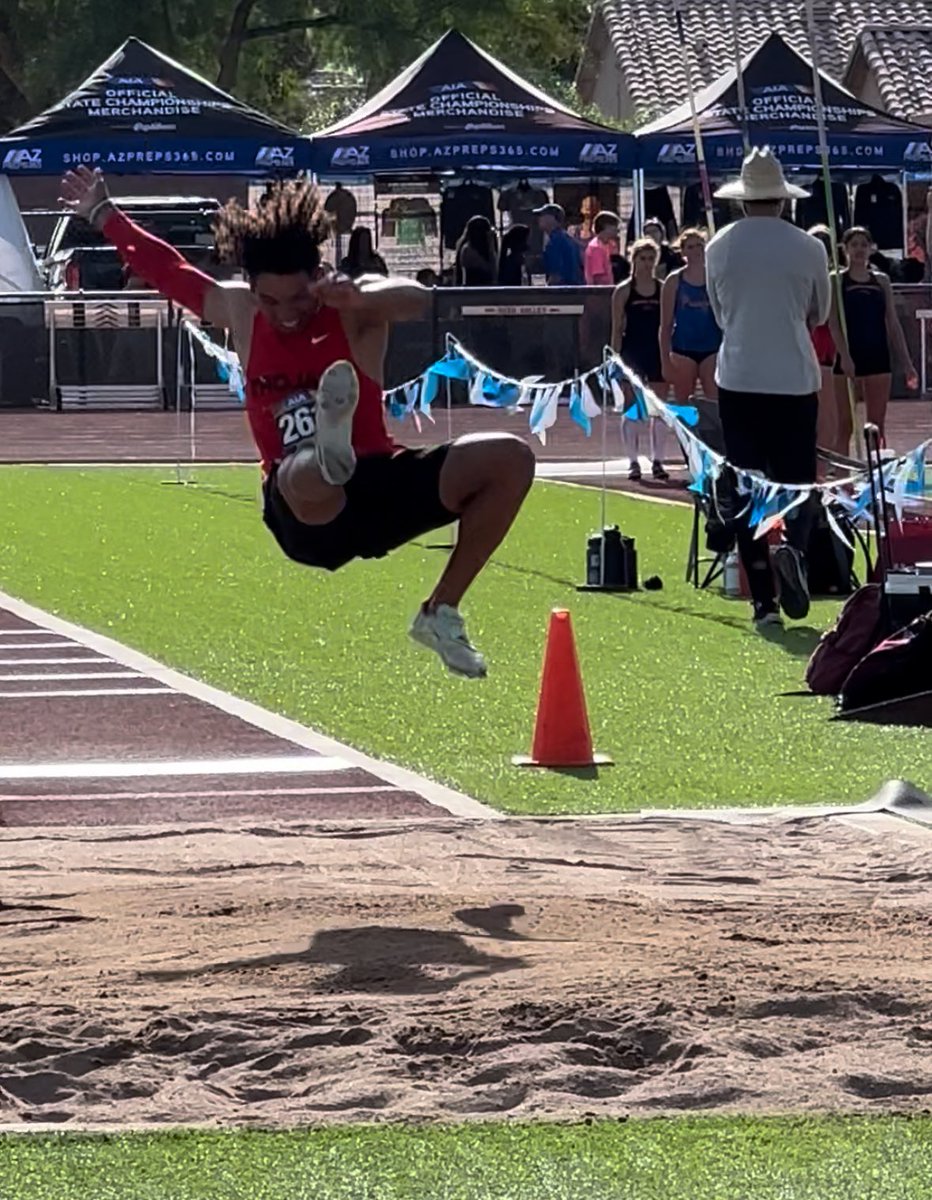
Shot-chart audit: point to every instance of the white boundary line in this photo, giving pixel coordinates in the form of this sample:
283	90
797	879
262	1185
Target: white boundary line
78	797
47	694
51	662
279	764
17	633
443	797
41	646
597	483
53	676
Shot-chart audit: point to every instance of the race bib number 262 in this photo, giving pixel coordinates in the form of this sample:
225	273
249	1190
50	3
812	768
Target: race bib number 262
295	420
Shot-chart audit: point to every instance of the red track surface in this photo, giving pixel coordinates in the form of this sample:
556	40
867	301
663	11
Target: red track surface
64	706
49	437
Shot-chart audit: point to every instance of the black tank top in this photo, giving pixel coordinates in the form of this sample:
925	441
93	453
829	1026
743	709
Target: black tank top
865	313
642	319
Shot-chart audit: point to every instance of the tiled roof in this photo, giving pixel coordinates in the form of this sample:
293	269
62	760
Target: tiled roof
644	38
900	58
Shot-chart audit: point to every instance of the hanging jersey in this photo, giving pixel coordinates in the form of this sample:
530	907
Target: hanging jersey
282	376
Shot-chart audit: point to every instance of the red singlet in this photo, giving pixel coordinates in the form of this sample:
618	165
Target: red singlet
282	365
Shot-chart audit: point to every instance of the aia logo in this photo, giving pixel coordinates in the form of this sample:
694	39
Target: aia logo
139	81
598	153
350	156
23	160
918	152
675	152
276	158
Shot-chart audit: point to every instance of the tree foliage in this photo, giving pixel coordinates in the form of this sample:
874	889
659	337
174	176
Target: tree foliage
264	51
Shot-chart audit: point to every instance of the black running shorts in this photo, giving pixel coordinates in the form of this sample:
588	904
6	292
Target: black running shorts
391	499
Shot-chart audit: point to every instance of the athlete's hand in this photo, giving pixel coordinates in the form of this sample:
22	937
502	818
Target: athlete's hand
847	365
82	191
912	379
339	291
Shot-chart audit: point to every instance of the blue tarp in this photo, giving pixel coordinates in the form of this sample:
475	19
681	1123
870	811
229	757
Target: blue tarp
140	113
456	108
781	113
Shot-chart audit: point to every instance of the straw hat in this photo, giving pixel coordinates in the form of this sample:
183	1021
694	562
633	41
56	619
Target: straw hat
761	179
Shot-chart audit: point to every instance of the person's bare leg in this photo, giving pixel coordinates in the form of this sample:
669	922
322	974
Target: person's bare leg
844	426
312	476
485	479
658	440
877	390
685	376
707	377
631	440
827	431
311	499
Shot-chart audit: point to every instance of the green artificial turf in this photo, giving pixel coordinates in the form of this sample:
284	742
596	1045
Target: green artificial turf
705	1159
689	701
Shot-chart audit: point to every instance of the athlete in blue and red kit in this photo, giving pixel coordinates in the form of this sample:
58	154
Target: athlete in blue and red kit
312	345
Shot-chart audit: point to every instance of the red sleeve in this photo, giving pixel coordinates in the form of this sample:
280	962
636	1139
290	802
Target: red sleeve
159	264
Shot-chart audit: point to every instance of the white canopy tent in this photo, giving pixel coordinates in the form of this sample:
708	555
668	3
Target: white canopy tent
19	271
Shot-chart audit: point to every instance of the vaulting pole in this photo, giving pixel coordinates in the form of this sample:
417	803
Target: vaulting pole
829	198
697	132
739	77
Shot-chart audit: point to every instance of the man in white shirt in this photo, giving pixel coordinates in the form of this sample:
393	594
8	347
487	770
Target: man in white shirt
768	286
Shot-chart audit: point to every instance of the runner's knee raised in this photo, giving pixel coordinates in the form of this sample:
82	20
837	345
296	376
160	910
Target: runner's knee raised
303	489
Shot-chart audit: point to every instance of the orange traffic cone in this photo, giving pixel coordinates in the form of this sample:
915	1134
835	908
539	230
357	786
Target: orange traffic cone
561	731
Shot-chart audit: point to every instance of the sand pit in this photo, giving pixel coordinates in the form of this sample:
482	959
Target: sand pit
451	970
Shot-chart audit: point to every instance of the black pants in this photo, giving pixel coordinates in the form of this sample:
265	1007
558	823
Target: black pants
775	435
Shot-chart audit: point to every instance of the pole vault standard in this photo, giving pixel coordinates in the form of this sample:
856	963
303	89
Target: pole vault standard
697	132
829	199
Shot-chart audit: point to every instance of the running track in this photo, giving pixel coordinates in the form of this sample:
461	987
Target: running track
99	437
95	734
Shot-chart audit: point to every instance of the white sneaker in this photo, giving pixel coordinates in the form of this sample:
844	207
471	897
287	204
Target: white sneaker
768	620
442	629
337	397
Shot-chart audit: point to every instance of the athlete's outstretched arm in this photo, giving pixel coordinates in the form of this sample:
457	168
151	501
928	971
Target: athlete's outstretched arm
375	299
160	265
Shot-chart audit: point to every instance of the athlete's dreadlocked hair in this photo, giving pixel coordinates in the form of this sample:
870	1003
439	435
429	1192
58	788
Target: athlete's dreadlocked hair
283	236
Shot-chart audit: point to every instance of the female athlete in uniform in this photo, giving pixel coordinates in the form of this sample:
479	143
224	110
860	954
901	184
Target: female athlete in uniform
874	337
636	337
689	336
312	346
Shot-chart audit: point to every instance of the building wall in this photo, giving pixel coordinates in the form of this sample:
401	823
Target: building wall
868	91
609	90
599	79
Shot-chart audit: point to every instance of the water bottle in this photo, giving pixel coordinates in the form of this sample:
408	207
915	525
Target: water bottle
594	560
731	577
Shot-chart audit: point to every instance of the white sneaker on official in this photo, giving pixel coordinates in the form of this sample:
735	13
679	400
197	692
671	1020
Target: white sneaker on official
337	397
442	630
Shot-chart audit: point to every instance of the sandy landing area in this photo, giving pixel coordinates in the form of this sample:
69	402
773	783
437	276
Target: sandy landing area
452	969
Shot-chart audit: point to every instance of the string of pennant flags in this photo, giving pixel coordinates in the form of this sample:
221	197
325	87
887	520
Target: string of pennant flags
623	393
